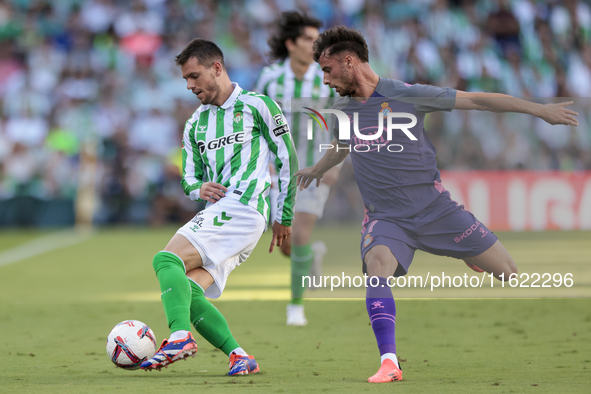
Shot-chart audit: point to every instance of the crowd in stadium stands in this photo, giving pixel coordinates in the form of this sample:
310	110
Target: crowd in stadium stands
101	73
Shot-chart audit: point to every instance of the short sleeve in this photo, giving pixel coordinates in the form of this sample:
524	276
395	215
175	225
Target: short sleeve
430	98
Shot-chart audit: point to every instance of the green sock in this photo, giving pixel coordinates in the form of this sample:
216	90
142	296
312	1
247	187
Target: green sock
301	261
176	293
209	322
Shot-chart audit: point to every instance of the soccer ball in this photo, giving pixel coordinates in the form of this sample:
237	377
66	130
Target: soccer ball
130	343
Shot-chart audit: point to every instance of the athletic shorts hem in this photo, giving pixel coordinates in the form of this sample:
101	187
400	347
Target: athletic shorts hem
484	248
201	249
312	200
403	263
216	282
207	264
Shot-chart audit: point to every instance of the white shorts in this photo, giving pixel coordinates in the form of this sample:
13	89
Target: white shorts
312	199
224	234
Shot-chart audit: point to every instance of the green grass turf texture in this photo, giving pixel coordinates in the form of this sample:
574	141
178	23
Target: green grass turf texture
56	310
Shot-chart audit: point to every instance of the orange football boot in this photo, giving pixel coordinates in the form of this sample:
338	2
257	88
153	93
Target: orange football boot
388	372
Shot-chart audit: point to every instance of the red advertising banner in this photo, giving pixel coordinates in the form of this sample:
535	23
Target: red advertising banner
524	200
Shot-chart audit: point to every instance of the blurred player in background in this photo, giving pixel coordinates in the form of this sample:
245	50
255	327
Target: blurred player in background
297	75
407	207
227	144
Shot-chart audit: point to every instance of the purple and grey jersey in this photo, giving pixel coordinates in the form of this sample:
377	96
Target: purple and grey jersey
397	177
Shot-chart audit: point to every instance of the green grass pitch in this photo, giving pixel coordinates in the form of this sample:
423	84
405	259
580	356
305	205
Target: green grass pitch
57	307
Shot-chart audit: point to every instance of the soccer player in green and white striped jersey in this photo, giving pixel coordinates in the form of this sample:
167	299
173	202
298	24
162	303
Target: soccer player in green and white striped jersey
227	145
296	75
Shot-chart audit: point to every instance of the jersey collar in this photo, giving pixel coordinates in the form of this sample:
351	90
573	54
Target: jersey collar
308	75
233	97
229	102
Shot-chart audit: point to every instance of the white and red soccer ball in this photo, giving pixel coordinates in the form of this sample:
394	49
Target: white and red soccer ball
130	343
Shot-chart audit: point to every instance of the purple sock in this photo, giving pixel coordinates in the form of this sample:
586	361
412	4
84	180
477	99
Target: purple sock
382	314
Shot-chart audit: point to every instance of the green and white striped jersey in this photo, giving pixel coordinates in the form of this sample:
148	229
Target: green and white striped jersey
232	145
279	82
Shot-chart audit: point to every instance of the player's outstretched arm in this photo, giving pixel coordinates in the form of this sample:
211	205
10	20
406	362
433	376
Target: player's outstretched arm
497	102
330	159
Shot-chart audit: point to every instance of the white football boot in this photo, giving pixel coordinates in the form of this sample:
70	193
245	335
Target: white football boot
295	315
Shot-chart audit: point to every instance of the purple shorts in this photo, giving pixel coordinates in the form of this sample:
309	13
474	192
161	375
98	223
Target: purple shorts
443	228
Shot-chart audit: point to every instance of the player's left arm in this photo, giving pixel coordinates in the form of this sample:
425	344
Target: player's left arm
276	131
554	113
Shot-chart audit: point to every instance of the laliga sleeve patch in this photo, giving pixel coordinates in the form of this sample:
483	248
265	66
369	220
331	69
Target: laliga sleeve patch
281	130
279	120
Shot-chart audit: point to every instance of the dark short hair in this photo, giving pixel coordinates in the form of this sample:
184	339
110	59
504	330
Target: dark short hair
289	26
206	52
341	39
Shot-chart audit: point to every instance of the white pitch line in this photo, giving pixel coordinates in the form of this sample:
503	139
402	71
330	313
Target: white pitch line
44	244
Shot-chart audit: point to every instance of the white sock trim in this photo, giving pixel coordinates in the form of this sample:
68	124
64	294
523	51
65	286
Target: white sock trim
239	351
180	334
390	356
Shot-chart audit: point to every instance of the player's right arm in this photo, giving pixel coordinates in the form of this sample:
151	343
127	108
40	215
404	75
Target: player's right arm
429	98
497	102
194	180
331	158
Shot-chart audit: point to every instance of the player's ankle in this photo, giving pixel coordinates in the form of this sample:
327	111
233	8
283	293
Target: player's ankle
390	356
239	351
178	335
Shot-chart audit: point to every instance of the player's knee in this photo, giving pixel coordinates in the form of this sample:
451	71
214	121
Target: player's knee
379	266
509	269
300	238
511	266
163	259
157	261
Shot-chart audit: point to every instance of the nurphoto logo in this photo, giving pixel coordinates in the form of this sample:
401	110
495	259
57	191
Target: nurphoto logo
361	142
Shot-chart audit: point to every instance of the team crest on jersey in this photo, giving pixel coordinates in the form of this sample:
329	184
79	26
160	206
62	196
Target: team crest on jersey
367	240
238	117
386	109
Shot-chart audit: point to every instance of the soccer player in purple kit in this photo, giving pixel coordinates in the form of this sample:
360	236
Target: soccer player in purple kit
407	207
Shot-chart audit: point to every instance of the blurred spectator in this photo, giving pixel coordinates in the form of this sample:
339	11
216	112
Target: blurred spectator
27	129
503	26
102	70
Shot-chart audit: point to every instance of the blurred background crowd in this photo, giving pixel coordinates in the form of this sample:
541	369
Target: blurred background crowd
101	73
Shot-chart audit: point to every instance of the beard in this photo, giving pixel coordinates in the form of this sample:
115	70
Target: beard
347	86
210	93
346	90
